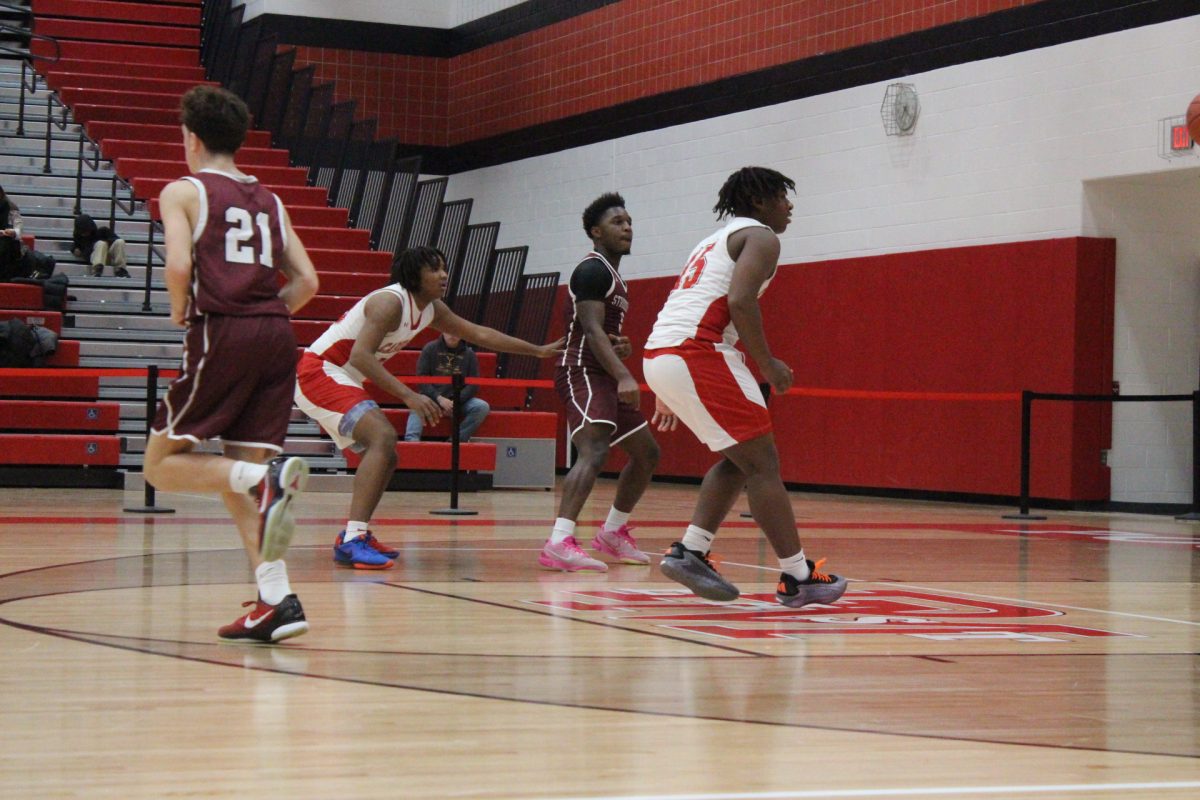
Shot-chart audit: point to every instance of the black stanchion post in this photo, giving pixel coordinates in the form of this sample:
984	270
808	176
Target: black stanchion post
49	132
457	382
1194	514
1026	425
149	266
148	506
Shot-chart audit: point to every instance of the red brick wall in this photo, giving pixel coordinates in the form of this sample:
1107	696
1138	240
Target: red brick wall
406	94
621	52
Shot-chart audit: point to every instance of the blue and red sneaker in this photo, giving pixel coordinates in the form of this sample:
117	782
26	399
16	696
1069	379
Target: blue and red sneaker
359	553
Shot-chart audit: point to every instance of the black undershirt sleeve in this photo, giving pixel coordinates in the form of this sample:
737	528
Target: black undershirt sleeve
591	280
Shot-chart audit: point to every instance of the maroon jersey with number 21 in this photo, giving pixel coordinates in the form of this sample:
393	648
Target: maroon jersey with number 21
237	247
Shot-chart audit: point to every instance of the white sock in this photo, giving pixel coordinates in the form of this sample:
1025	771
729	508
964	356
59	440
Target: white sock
796	566
562	529
354	529
616	519
245	476
272	581
698	539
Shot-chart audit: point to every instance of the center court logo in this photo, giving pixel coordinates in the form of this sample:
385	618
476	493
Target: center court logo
924	615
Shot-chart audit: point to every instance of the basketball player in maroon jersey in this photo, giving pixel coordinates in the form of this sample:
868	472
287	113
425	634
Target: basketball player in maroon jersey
228	239
600	397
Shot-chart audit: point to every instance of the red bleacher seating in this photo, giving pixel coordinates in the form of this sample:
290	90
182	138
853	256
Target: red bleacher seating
424	456
178	12
290	195
345	259
150	56
114	148
64	385
60	449
67	354
20	296
105	129
498	424
166	36
47	319
350	283
74	66
59	415
326	307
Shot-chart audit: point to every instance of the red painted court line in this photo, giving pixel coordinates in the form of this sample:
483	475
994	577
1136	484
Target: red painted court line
485	522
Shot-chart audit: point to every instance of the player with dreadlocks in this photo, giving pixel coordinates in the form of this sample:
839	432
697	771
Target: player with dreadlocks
692	365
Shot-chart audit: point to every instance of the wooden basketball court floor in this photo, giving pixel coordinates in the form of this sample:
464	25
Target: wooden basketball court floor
972	657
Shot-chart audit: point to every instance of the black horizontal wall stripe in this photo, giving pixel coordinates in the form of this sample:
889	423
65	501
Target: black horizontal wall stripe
1000	34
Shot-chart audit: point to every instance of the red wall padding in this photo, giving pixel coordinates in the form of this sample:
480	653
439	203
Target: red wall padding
999	318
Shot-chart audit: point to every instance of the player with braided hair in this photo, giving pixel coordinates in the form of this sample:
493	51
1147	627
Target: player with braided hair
692	365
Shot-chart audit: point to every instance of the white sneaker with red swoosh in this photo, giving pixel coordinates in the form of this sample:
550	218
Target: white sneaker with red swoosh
266	623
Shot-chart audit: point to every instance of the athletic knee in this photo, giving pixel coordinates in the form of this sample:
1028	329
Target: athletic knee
650	456
381	442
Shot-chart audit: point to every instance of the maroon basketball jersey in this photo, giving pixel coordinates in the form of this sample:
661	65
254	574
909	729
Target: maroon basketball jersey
593	279
237	247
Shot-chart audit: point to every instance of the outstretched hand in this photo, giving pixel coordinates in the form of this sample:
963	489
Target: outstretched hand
664	418
621	345
552	349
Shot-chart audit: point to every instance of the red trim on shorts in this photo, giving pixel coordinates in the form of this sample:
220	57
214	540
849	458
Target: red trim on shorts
718	390
322	390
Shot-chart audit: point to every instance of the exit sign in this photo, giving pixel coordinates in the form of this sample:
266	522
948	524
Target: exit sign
1180	138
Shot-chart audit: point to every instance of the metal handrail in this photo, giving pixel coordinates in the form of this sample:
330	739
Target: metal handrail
27	58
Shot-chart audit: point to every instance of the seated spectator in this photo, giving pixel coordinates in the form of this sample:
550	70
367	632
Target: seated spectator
10	238
100	245
444	356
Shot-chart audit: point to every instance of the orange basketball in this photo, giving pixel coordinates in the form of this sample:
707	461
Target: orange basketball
1193	118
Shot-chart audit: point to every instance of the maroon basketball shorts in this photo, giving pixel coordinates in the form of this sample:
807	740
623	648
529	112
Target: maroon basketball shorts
236	382
711	390
590	395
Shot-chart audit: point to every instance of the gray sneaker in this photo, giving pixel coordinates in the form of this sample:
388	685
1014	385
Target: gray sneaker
819	588
696	572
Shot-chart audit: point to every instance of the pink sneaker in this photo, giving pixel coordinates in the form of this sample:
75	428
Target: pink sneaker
568	556
620	545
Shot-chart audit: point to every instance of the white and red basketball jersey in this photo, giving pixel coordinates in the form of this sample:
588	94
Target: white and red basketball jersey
335	344
697	309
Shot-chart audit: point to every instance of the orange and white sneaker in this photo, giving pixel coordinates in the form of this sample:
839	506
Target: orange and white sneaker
819	588
266	623
568	556
620	545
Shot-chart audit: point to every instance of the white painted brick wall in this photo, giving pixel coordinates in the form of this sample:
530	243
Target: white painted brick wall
1001	153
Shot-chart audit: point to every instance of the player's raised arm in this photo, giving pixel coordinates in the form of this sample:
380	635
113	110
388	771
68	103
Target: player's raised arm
447	321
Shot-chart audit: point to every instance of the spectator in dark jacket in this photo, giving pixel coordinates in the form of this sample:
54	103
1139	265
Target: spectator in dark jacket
99	245
444	356
10	237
